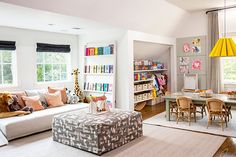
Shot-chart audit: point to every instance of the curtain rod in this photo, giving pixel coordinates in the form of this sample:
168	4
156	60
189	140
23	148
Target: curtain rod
229	7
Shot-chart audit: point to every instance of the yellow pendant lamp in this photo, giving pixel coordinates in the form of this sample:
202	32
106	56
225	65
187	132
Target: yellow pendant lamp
225	47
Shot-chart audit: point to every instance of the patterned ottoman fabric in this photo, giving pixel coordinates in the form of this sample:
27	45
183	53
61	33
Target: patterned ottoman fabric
97	133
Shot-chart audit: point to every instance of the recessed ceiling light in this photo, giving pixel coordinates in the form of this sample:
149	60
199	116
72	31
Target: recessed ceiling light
76	28
51	24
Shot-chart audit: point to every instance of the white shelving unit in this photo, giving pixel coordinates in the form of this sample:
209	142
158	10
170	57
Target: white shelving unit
107	78
139	103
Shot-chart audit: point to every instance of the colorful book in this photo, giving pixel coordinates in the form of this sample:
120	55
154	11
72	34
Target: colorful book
87	52
110	68
96	51
91	51
106	68
110	88
100	50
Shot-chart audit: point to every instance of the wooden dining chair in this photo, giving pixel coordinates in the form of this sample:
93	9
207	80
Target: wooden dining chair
185	106
216	108
173	106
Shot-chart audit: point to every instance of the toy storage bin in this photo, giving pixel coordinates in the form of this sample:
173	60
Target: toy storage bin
135	87
149	95
139	87
149	86
145	86
139	97
145	96
135	98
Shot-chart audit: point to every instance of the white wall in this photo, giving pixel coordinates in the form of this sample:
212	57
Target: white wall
128	76
26	54
192	24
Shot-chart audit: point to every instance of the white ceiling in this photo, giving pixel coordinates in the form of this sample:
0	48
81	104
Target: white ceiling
27	18
195	5
149	16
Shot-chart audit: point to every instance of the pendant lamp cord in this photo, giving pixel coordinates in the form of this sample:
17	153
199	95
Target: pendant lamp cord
224	18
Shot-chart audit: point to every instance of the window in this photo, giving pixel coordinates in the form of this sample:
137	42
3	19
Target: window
52	66
229	69
7	67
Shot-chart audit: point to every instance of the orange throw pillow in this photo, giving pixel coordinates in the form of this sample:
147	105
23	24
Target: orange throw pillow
33	101
63	93
54	99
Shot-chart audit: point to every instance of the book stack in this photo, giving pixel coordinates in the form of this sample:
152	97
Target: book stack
98	69
94	51
104	87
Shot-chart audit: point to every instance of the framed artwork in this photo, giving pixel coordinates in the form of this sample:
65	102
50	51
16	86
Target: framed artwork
184	69
196	64
186	47
184	60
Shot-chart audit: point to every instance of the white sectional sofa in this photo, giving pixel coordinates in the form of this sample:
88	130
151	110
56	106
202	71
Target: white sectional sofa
15	127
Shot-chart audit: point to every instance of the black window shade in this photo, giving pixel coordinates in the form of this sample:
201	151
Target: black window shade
7	45
42	47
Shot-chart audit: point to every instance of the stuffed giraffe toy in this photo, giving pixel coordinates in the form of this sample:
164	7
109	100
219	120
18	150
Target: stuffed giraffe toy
77	90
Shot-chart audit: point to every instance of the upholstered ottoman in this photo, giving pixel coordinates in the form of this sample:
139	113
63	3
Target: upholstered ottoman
97	133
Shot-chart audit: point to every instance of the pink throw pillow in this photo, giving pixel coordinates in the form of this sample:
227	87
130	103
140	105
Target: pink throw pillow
33	101
54	99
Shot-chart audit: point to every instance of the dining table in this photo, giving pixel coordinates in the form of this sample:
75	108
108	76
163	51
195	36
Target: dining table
196	98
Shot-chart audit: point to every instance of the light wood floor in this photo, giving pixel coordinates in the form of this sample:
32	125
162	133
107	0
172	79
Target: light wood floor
228	148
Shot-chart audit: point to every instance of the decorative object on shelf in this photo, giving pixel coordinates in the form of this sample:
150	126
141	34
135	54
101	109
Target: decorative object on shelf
225	46
77	90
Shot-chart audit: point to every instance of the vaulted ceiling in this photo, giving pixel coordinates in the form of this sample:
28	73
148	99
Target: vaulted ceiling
149	16
196	5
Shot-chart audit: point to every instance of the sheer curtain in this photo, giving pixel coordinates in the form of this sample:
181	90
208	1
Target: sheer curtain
214	80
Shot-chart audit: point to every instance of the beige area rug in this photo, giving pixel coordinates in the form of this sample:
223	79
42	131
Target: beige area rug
157	141
199	126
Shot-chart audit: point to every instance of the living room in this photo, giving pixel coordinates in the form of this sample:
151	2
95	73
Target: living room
108	78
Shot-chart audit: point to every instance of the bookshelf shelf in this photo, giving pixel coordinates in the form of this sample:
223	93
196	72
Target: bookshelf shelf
139	81
99	74
143	100
157	70
94	91
145	90
99	56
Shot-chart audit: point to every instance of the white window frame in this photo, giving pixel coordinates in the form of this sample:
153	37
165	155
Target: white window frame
68	67
228	84
13	68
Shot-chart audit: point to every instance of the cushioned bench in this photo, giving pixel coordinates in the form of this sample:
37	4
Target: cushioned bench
37	121
97	133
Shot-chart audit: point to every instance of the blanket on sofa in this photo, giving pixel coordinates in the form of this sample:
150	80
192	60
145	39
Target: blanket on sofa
13	114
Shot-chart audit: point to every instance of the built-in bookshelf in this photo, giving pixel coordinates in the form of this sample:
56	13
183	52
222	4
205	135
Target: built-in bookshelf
100	70
144	86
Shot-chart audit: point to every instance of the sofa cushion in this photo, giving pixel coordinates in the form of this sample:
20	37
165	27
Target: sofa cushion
41	93
63	93
54	99
15	127
19	94
33	102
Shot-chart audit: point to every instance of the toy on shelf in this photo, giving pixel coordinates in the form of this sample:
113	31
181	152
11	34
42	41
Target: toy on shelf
148	65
